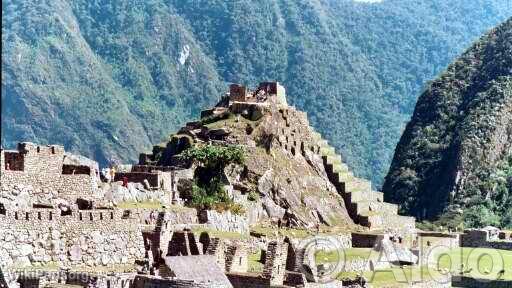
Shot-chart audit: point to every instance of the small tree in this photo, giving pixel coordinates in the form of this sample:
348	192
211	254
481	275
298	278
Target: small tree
208	189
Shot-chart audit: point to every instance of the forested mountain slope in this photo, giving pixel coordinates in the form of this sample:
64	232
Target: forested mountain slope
107	78
456	153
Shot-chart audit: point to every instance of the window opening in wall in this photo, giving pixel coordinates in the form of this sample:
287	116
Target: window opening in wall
38	149
38	215
27	217
53	150
42	206
2	209
240	261
50	217
65	212
126	214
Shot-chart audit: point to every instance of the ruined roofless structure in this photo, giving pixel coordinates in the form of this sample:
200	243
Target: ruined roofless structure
266	91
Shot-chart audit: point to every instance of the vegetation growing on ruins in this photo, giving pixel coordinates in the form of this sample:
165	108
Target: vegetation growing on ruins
215	158
108	78
454	155
208	190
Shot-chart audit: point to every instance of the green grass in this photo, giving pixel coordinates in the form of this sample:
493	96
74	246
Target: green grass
254	265
478	260
349	254
397	277
270	231
220	234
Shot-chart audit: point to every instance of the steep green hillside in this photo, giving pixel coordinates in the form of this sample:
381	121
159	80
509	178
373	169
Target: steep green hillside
109	78
456	153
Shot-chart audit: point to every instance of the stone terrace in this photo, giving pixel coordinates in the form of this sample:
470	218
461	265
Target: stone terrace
365	206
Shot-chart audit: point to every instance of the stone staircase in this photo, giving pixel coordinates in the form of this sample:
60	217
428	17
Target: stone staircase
365	206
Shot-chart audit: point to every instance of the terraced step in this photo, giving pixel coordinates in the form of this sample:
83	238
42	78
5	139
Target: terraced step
333	159
334	165
358	196
327	151
341	168
357	185
366	208
388	222
342	177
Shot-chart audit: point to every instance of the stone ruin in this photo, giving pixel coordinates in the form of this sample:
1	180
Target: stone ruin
58	209
266	92
43	176
40	232
488	237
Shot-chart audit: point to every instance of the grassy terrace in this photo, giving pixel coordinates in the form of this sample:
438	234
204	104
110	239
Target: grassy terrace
300	233
270	231
254	265
220	234
478	263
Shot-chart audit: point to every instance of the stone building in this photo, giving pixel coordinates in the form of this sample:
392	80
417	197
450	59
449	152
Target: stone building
271	92
43	171
201	269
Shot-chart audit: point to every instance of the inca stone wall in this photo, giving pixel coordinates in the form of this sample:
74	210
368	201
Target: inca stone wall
87	238
226	221
429	247
275	262
63	277
236	259
481	239
468	282
22	190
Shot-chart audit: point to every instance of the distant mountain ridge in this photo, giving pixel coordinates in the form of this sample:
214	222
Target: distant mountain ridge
107	79
456	153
